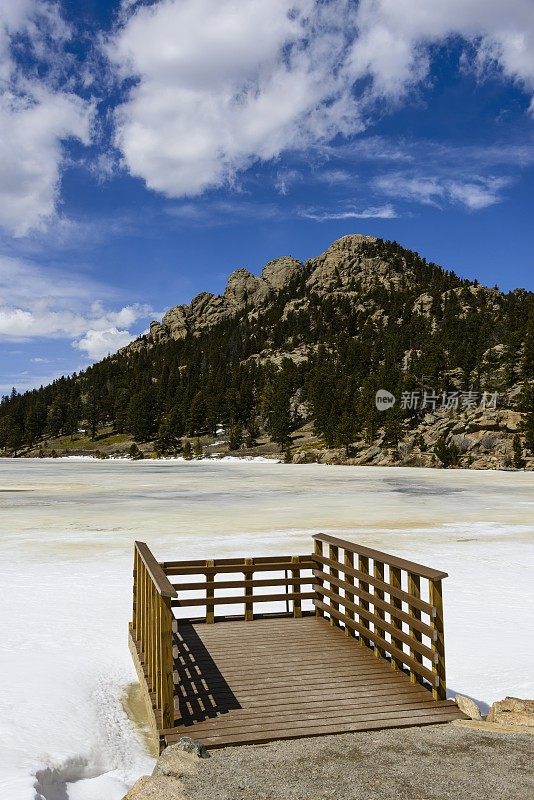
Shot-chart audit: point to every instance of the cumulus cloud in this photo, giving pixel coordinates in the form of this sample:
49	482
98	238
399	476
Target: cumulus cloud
219	84
100	343
35	304
474	193
36	116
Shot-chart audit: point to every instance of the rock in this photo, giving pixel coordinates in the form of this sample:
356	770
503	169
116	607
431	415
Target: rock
423	305
305	457
159	788
468	707
188	745
244	289
278	273
175	762
512	711
175	322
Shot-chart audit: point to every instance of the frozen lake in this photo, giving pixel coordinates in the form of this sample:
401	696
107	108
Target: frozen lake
67	528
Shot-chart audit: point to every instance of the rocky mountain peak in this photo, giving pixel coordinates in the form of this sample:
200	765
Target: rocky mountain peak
279	272
351	266
243	291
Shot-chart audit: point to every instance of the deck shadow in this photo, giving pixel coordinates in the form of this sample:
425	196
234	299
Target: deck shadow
201	691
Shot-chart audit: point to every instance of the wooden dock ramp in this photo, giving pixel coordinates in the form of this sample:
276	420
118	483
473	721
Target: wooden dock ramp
357	645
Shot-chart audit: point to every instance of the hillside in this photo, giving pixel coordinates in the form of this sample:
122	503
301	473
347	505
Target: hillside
290	362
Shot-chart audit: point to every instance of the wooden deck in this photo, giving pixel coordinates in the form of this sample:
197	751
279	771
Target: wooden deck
352	639
283	678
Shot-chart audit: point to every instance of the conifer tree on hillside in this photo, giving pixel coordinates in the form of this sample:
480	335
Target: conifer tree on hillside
141	419
187	450
279	424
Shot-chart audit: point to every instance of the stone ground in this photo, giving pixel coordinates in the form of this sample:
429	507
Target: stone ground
442	762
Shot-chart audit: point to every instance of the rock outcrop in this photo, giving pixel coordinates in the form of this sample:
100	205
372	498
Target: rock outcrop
244	294
344	268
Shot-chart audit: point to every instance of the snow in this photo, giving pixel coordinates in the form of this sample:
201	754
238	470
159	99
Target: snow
67	529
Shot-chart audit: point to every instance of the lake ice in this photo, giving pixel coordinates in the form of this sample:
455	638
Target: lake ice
67	529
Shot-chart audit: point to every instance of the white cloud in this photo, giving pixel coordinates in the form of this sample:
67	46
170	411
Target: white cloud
474	192
373	212
36	304
225	82
100	343
334	176
36	117
212	94
395	36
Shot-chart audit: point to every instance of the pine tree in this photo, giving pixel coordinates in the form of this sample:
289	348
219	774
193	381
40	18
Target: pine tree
196	421
135	453
15	438
518	461
166	440
345	432
393	430
280	418
235	439
197	449
6	423
187	450
141	418
447	453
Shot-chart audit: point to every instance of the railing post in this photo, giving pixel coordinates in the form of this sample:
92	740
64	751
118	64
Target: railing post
153	631
166	673
144	632
249	604
295	572
439	692
318	550
151	635
414	589
380	574
363	566
333	554
136	604
396	583
210	594
349	562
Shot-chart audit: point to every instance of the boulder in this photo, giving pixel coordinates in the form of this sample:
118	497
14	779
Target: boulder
423	305
305	457
278	273
175	762
159	788
468	707
243	289
512	711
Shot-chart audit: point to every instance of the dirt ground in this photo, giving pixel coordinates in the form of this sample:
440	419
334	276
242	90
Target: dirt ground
440	762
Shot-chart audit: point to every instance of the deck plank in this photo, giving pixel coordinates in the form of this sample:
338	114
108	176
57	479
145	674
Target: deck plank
284	678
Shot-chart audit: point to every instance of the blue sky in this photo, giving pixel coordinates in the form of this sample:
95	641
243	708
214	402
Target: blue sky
148	149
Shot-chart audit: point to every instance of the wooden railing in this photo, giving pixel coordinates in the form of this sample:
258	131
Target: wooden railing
282	583
151	629
392	605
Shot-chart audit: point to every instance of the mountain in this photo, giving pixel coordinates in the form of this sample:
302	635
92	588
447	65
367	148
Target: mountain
291	361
